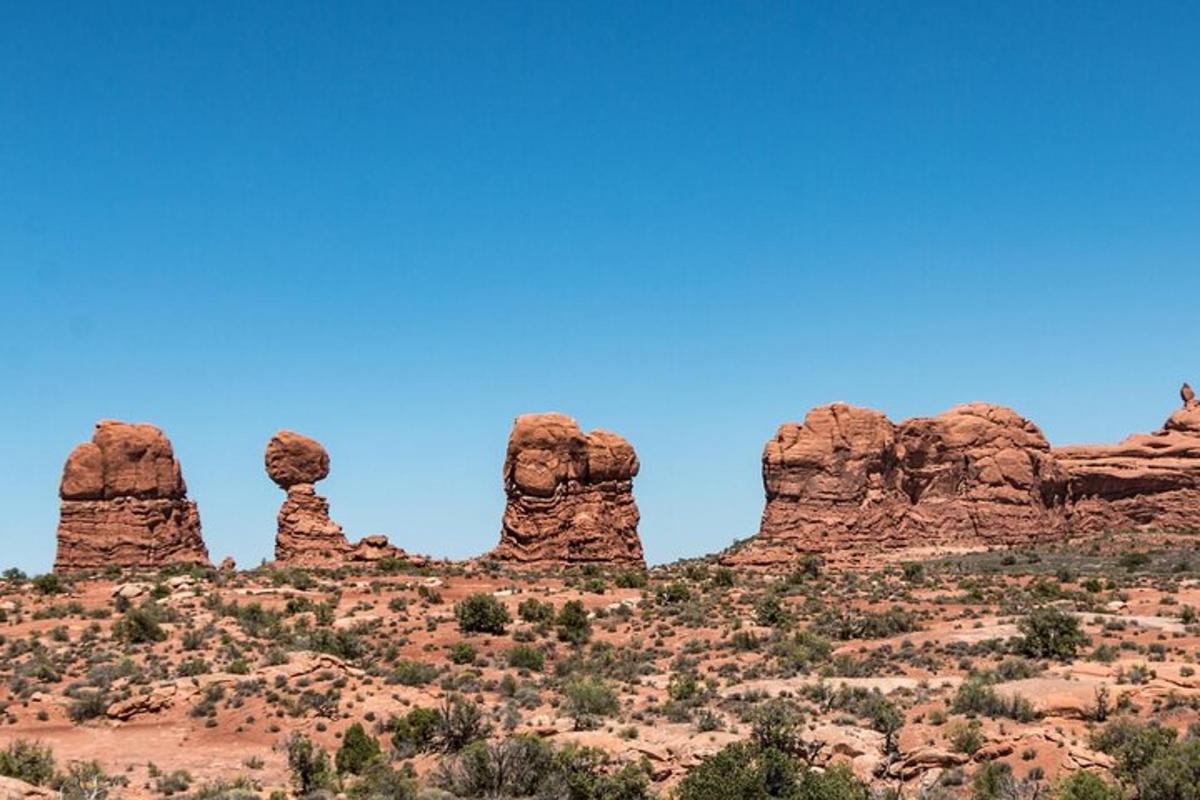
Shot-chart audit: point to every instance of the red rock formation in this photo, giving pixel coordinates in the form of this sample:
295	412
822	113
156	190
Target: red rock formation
848	477
1149	481
305	535
570	495
124	503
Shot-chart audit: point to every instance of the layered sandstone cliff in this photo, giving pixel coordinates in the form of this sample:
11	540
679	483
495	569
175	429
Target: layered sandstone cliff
1148	481
848	477
124	503
305	534
570	495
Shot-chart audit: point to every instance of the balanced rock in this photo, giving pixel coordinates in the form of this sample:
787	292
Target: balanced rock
848	477
1148	482
124	503
305	534
570	495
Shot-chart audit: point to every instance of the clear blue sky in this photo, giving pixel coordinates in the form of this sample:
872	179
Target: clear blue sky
394	228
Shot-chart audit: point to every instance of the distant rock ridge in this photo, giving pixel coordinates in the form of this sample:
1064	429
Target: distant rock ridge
849	478
124	503
305	534
570	496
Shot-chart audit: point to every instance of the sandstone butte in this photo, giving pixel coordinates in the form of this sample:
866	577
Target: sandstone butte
124	503
569	496
305	535
849	478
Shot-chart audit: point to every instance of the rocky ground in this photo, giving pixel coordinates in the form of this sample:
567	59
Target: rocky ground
921	671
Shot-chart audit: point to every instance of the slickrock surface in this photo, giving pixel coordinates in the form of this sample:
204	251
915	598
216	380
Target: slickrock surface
570	495
849	477
305	534
1148	481
124	503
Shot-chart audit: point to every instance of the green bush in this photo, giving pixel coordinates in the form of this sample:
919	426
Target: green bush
308	765
482	613
412	673
589	698
1087	786
535	611
459	722
993	781
1050	633
977	696
462	653
358	751
27	761
1133	745
746	771
1174	775
140	625
415	732
525	657
572	623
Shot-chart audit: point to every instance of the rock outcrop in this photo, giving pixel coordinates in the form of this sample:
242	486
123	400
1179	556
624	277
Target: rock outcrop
570	495
850	478
124	503
305	535
1148	481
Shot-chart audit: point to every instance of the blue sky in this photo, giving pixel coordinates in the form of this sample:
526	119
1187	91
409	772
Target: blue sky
396	227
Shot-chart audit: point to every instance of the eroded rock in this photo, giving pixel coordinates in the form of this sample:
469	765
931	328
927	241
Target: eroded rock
570	495
305	534
124	503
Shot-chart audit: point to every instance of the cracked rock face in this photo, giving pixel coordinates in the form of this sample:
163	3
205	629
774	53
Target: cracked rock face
124	503
848	477
305	535
570	495
1150	481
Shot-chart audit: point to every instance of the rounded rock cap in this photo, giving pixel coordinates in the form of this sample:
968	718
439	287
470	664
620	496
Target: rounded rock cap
293	458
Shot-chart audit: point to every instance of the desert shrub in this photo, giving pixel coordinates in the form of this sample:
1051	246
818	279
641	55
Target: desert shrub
535	611
88	704
415	732
1133	745
967	738
358	751
462	653
845	624
49	584
459	722
308	765
746	770
513	767
1087	786
412	673
572	624
525	657
27	761
976	696
993	781
630	579
140	625
589	698
481	613
1173	775
770	611
803	651
674	593
1050	633
85	780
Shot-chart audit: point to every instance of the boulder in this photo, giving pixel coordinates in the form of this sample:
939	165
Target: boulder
124	503
570	495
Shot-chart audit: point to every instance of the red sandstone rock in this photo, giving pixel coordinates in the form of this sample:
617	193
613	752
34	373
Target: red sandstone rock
848	477
1147	482
305	534
124	503
570	495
